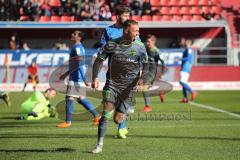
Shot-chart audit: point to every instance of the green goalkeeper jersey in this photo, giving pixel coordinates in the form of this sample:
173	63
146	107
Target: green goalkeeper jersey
31	102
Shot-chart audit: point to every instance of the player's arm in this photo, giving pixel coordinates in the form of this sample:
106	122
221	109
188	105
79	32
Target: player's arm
64	75
104	38
145	66
102	55
162	63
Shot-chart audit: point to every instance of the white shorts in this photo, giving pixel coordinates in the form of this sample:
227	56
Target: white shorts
76	89
184	76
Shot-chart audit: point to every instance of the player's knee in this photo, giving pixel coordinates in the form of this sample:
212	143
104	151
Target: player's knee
118	117
69	98
107	115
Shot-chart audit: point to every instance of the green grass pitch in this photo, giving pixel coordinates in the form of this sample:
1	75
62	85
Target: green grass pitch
172	131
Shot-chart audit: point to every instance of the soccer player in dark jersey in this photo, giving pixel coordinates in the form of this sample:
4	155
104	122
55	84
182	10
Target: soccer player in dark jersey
153	59
32	76
113	32
125	57
76	76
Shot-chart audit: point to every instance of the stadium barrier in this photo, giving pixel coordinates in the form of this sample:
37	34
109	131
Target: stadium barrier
13	69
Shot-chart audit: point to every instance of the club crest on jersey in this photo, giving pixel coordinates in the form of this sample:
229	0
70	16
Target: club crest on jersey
133	53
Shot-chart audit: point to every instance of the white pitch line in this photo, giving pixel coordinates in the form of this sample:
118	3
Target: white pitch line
76	128
214	109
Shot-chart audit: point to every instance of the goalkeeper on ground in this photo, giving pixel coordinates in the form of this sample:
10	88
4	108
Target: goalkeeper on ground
38	106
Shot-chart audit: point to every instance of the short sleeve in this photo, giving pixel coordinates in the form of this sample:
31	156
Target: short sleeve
104	38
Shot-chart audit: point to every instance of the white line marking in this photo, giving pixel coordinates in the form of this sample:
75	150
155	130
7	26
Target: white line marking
77	128
214	109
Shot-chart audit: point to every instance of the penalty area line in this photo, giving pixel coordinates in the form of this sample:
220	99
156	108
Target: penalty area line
214	109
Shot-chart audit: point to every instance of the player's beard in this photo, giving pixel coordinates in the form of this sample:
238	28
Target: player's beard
122	20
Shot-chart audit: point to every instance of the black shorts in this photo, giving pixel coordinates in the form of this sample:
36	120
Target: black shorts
32	78
111	95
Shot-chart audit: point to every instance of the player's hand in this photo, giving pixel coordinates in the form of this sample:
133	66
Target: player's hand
140	85
95	83
86	84
62	77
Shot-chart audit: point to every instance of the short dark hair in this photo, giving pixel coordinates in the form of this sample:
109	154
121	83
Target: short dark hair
79	34
152	37
129	22
122	9
50	89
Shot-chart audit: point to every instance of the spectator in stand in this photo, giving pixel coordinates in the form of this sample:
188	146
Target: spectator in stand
136	7
96	12
68	8
25	46
147	8
3	11
45	8
105	14
13	10
86	14
14	42
55	7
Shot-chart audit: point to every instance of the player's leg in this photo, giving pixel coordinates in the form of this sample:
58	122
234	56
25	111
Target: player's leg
69	110
40	111
184	76
109	99
89	106
28	81
146	97
5	97
35	82
103	125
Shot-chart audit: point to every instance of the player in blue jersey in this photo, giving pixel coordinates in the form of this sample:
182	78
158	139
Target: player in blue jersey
113	32
76	76
125	58
186	66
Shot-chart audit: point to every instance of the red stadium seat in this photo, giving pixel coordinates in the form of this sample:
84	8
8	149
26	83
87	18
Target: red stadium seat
196	10
176	18
44	19
184	2
164	2
24	18
215	2
204	2
166	18
155	3
194	2
146	18
66	19
174	2
156	18
136	18
186	18
55	19
55	3
185	10
165	10
206	9
197	18
216	9
175	10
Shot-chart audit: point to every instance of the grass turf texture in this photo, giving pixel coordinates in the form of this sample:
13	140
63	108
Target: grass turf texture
172	131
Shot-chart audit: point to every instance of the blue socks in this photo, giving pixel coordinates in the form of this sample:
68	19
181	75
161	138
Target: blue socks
69	109
88	106
186	88
123	123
